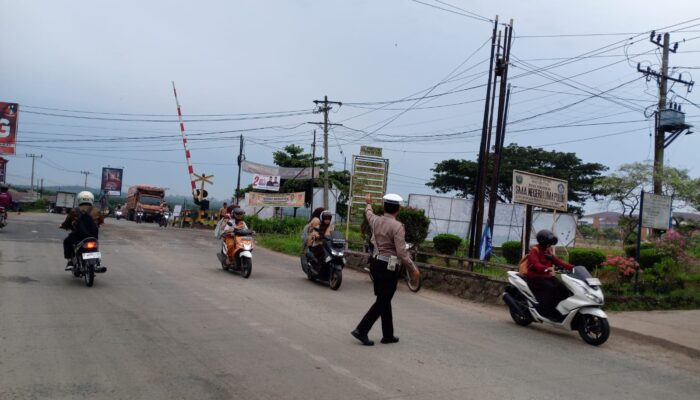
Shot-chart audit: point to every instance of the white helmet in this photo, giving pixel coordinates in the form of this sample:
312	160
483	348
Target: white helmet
85	197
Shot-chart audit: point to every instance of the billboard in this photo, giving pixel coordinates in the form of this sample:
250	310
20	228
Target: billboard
266	182
276	199
9	114
540	191
112	181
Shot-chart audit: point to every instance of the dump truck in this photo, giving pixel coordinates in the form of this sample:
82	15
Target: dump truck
64	202
151	199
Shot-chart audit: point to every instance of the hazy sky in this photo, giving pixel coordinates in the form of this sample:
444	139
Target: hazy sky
255	61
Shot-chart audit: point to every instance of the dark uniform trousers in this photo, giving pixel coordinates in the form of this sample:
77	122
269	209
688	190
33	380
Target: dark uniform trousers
384	288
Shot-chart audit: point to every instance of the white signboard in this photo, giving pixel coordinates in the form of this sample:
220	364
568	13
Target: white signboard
540	191
656	212
177	211
266	182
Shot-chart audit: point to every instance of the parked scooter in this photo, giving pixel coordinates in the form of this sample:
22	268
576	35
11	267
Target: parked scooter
242	257
86	261
581	311
3	217
330	268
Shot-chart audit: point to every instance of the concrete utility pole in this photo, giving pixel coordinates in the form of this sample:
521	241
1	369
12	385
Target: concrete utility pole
660	140
313	170
241	157
325	108
34	157
86	173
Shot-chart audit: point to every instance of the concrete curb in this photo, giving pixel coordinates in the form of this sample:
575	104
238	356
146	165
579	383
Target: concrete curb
667	344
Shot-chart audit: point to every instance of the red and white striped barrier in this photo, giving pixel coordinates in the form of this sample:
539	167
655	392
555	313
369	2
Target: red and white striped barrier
184	143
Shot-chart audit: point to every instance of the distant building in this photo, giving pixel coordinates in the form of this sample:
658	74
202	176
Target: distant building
601	220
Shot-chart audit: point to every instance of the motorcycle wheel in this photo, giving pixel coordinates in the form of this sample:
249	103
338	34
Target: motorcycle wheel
594	330
335	279
246	267
412	286
522	320
89	275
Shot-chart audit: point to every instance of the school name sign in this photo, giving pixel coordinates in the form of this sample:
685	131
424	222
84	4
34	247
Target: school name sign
540	191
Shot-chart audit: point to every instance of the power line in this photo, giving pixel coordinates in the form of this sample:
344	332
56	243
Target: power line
475	16
165	115
167	120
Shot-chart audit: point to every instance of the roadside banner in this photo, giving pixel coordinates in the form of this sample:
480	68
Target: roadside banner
540	191
281	172
112	181
177	210
9	114
656	211
266	182
276	199
3	169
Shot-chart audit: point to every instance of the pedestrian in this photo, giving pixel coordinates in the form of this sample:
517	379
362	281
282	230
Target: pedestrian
389	240
222	211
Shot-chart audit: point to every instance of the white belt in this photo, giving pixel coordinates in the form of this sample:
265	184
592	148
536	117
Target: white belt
383	258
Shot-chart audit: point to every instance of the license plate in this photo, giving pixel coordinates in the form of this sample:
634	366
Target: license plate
90	256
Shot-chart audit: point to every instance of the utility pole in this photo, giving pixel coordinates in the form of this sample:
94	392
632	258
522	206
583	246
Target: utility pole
325	108
86	173
313	172
41	188
241	157
660	140
34	157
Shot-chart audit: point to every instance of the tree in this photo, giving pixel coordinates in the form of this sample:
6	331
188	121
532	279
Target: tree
624	187
293	156
460	175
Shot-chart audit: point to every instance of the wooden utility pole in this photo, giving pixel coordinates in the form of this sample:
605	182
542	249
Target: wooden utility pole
325	108
241	157
86	173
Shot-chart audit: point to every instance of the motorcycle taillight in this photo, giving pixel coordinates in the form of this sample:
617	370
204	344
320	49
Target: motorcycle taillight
91	245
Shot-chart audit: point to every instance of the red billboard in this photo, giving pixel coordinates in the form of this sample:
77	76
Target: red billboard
112	181
9	113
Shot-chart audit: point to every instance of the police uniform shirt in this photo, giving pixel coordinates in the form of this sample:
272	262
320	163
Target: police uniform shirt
388	236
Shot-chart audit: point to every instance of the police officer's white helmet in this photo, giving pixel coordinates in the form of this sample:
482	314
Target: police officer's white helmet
85	197
392	198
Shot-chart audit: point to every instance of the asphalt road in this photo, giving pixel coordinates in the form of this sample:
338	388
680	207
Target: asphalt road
165	322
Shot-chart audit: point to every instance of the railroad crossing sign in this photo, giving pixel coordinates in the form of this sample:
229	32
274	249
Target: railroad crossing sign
203	178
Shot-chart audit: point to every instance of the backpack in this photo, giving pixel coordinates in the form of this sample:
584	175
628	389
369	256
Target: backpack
524	265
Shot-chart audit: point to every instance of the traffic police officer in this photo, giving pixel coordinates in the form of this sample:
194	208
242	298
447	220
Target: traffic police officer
388	238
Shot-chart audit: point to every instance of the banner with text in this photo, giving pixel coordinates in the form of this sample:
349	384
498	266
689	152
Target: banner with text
369	175
540	191
281	172
112	181
9	114
265	182
276	199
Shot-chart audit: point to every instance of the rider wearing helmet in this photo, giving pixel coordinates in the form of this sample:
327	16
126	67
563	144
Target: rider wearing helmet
234	223
548	290
83	223
319	227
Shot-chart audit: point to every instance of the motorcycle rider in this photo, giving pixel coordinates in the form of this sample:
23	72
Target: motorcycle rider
548	290
5	196
319	227
233	224
83	223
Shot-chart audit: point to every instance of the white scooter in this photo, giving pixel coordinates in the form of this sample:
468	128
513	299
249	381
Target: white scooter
581	311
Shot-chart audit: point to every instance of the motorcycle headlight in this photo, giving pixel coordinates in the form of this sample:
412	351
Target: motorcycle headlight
592	297
337	253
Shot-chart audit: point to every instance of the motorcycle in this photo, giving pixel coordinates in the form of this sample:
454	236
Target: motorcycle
331	267
242	257
3	217
581	311
139	217
163	221
118	214
86	261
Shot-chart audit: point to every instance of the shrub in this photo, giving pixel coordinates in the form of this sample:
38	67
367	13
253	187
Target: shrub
625	267
283	226
631	249
648	257
414	220
589	258
511	251
446	243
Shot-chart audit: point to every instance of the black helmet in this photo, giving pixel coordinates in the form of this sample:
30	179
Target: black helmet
546	238
4	187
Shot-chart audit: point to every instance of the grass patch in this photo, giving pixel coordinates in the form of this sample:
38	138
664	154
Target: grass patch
287	244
